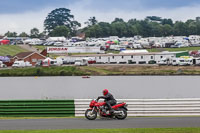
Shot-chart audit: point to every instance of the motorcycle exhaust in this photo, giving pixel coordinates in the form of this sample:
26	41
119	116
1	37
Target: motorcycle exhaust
118	112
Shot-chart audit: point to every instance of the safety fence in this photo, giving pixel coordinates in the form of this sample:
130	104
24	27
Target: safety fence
37	108
77	107
151	107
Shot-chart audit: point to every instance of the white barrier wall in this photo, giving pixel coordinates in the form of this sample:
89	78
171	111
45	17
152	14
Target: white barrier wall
151	107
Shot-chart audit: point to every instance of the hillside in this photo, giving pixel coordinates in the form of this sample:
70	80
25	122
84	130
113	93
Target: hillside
10	50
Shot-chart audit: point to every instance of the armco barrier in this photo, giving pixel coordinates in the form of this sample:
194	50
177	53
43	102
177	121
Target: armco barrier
37	108
151	107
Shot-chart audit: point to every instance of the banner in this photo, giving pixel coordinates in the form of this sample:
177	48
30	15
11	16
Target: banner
63	50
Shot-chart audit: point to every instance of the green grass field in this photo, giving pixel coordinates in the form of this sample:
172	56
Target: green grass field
174	49
10	50
40	47
44	71
136	130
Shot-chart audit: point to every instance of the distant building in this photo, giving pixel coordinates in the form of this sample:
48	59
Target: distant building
130	58
32	57
56	39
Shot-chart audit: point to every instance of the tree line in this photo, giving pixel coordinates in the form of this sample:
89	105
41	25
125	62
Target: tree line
151	26
60	22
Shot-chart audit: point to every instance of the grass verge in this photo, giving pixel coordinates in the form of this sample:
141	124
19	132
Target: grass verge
136	130
43	71
102	70
140	70
174	49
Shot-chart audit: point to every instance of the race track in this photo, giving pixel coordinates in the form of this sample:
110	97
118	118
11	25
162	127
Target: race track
81	123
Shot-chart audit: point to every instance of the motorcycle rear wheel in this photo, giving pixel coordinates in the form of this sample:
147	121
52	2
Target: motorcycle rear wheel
90	115
122	117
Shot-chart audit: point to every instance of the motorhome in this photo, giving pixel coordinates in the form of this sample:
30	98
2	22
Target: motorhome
196	61
52	62
165	61
182	61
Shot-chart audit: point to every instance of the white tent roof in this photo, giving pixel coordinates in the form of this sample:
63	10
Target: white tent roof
47	59
56	39
134	51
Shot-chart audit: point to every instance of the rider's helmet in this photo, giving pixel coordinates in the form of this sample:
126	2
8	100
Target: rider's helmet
105	92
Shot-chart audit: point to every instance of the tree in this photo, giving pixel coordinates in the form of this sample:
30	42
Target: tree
155	29
74	27
106	29
132	30
132	22
23	34
91	21
11	34
198	27
150	26
94	31
119	28
145	28
60	31
34	33
180	29
192	26
42	35
167	21
118	20
167	30
60	17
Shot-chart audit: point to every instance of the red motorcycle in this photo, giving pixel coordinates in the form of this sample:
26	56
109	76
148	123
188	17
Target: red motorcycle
120	110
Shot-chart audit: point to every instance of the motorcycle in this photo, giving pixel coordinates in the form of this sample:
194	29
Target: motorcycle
120	110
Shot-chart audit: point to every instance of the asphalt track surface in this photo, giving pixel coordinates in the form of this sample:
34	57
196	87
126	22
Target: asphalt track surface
81	123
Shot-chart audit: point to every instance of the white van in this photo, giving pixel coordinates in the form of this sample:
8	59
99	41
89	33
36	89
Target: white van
165	61
182	61
18	64
81	62
56	63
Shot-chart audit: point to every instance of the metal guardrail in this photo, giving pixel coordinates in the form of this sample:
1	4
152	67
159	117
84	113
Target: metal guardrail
151	107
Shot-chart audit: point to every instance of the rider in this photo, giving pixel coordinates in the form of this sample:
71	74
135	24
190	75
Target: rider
109	99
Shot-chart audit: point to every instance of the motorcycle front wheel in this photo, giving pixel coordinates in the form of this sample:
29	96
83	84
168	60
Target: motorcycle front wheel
90	115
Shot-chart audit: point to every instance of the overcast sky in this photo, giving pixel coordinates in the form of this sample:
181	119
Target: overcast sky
23	15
